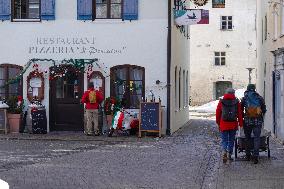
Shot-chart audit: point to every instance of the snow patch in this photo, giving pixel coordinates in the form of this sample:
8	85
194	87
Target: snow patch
211	106
3	184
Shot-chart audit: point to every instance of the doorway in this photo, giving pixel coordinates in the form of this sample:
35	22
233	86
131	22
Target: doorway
66	111
221	87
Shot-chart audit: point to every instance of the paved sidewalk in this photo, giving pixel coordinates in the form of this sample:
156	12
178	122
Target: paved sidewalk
75	136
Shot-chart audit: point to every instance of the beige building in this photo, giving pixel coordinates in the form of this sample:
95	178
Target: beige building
221	51
270	83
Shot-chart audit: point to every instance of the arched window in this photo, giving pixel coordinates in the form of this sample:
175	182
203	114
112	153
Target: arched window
179	88
187	92
176	89
184	88
9	72
127	83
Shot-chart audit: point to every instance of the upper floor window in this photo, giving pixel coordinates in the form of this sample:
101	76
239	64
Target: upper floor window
108	9
128	84
220	58
7	73
25	9
226	22
282	17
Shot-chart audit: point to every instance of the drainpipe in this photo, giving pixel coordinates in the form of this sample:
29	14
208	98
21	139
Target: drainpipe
169	56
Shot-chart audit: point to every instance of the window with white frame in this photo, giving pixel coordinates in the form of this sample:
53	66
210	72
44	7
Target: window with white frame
25	9
220	58
226	22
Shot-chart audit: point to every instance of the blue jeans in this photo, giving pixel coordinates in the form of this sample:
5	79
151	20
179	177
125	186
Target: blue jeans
256	129
228	140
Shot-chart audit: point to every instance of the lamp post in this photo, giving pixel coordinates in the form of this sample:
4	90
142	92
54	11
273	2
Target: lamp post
250	70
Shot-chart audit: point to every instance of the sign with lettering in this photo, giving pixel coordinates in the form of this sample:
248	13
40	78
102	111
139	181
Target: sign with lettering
71	45
150	117
191	17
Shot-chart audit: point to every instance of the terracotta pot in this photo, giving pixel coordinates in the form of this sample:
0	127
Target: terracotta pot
109	120
14	121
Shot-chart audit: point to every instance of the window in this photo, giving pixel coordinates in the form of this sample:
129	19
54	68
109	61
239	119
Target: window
282	17
275	15
220	58
265	27
226	22
179	88
26	9
128	84
8	72
186	88
111	9
176	89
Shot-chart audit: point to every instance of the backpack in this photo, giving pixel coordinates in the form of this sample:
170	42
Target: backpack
229	110
92	97
253	105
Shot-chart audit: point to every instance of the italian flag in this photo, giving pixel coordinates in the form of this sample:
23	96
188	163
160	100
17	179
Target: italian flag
117	120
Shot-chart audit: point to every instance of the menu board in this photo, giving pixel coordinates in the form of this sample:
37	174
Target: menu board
150	117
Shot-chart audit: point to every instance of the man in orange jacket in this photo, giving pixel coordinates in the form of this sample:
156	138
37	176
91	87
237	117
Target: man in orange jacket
92	98
228	118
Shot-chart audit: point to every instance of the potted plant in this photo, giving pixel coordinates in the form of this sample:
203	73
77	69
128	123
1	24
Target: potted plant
14	112
111	106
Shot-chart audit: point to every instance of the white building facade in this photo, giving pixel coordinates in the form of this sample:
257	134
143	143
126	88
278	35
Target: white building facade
129	40
270	83
221	51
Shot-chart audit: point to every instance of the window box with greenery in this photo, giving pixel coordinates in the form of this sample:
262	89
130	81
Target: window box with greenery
15	110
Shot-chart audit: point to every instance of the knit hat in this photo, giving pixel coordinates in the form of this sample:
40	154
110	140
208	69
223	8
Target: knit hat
230	91
251	87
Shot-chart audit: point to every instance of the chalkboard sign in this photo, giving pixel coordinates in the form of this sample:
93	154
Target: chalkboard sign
3	123
150	117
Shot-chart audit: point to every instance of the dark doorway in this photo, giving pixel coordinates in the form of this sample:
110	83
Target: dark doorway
221	87
66	111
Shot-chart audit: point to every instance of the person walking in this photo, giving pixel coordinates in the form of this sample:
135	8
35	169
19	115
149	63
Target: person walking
92	98
254	109
228	118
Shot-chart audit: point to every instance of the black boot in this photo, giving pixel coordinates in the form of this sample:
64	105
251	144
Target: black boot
110	132
255	160
248	157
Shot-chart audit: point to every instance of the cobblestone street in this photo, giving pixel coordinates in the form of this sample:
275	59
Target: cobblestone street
189	159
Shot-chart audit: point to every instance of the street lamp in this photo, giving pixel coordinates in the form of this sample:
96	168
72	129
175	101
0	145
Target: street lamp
250	70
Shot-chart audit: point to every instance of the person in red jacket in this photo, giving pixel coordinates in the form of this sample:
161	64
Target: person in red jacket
92	99
228	118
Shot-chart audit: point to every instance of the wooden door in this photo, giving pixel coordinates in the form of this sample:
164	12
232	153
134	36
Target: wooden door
66	111
221	87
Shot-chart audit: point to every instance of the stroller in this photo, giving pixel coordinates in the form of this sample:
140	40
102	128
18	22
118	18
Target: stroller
240	142
123	123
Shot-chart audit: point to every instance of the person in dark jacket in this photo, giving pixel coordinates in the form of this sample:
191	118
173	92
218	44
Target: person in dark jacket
252	124
228	124
92	98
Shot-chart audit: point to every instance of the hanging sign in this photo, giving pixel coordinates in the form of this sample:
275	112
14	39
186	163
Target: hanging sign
200	2
218	3
191	17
